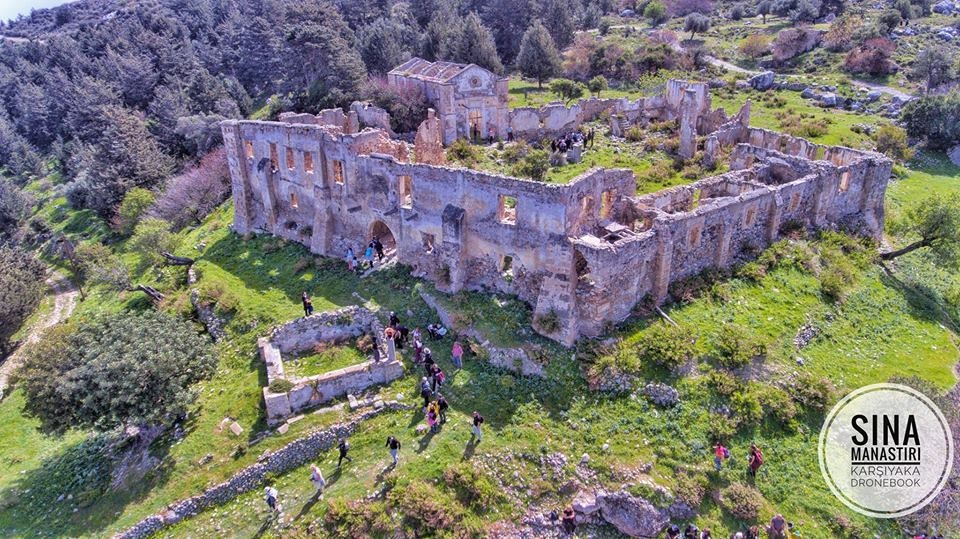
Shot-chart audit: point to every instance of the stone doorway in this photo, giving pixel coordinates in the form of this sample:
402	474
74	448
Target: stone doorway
380	230
476	125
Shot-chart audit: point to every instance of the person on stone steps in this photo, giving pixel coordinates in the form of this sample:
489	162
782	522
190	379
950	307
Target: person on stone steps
378	247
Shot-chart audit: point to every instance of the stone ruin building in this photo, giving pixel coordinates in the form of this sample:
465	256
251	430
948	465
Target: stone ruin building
470	101
582	254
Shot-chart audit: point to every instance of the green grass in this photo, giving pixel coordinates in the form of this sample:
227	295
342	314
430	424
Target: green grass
330	359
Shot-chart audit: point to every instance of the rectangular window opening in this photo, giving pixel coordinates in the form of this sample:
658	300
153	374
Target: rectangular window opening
606	204
507	210
751	215
406	191
274	159
428	241
338	172
294	203
248	146
845	181
291	162
308	162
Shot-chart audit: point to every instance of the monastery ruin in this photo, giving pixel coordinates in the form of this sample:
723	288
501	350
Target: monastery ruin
582	254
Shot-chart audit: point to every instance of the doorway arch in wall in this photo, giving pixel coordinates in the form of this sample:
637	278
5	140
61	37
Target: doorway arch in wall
381	231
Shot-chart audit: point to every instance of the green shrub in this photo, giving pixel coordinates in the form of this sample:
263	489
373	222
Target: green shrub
280	385
721	427
746	406
634	133
463	152
892	141
535	165
778	404
741	501
424	507
549	322
690	486
737	346
810	391
473	487
358	518
516	151
723	382
665	345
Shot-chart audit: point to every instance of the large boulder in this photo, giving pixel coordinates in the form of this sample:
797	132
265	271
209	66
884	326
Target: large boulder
954	155
829	100
945	7
634	517
762	81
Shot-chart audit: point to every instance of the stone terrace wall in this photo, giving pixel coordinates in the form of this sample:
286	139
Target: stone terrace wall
290	456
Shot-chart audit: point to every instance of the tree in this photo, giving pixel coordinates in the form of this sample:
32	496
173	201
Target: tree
905	8
21	287
193	194
558	20
100	266
764	8
123	369
737	12
476	45
696	22
538	57
14	208
151	237
508	20
874	56
936	221
656	12
385	45
597	84
566	89
933	65
888	20
934	119
135	203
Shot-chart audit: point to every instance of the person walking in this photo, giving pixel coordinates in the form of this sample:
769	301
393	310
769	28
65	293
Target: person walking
475	432
394	445
394	319
754	460
316	477
271	496
379	248
442	408
307	304
432	420
343	446
457	354
368	255
438	379
719	454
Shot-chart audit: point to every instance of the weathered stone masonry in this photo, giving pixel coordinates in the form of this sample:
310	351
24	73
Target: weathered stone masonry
583	254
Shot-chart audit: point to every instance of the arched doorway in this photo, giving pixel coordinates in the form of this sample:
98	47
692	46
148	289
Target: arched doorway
382	232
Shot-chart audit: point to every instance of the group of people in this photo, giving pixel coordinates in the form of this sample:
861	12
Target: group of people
690	532
754	458
565	142
374	248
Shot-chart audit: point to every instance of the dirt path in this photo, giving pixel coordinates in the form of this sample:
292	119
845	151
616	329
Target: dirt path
65	299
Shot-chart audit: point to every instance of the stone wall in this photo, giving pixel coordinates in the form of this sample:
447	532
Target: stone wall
583	253
300	336
288	457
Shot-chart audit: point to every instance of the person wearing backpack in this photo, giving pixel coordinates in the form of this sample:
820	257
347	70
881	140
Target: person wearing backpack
270	496
477	421
754	460
719	454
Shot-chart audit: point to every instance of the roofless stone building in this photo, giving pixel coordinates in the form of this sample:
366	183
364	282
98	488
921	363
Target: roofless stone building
583	254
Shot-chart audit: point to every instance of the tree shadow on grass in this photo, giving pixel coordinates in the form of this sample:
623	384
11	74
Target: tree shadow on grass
923	301
80	477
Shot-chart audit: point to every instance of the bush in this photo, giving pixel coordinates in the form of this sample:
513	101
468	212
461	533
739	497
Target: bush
634	133
721	427
513	153
135	204
463	152
193	194
665	345
741	501
755	46
655	12
738	11
934	119
151	237
892	141
746	406
723	382
358	518
696	23
793	42
810	391
737	346
535	165
21	288
839	38
473	487
280	385
873	57
778	404
424	507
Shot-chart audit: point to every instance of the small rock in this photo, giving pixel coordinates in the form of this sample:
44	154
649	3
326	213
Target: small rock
236	429
800	361
282	429
205	459
294	419
605	447
585	459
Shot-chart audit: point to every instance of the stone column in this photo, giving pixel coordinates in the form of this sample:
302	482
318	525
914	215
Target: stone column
688	123
240	183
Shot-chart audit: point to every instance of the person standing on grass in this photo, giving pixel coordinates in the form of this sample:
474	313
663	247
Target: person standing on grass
475	432
316	477
271	496
344	446
754	460
432	420
394	446
425	392
438	379
719	453
457	354
307	306
442	408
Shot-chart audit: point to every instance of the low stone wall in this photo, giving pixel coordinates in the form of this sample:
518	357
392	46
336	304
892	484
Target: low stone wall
290	456
300	336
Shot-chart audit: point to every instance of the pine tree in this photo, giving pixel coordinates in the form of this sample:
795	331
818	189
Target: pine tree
477	46
558	19
538	57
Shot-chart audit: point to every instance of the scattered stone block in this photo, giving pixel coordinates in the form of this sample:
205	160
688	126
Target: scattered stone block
236	429
282	429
